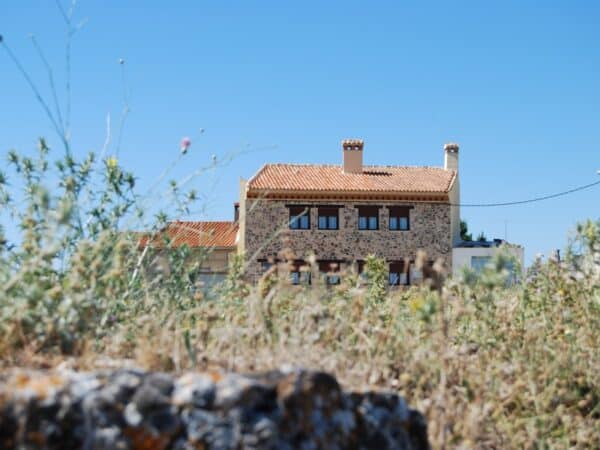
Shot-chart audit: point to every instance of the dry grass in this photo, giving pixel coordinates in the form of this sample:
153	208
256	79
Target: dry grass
490	366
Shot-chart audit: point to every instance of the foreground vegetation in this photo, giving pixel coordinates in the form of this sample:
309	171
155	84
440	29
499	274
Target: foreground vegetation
490	365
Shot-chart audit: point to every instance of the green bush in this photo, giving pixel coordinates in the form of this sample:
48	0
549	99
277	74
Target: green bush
72	272
377	280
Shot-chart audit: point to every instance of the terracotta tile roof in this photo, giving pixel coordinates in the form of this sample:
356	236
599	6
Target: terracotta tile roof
324	178
197	234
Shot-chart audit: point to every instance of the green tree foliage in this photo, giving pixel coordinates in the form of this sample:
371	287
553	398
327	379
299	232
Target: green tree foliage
376	275
464	232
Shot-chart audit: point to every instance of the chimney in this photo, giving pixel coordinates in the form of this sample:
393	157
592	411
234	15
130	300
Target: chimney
451	156
353	155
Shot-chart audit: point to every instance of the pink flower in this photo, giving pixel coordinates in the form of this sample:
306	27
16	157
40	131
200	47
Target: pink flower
185	144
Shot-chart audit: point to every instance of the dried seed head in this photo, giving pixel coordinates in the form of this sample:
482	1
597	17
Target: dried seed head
185	144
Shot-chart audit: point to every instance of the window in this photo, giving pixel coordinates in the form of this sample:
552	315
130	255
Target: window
419	275
398	274
399	218
328	218
357	268
269	264
330	270
300	277
368	217
207	280
360	266
299	273
416	275
299	217
479	262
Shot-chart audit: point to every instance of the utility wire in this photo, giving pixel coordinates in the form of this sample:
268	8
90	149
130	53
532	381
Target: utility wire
531	200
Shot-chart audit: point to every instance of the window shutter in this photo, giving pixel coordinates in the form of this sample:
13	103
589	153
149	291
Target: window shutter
399	211
368	211
328	211
396	267
329	266
298	210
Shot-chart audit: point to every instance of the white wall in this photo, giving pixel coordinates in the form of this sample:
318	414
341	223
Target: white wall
461	256
241	235
454	196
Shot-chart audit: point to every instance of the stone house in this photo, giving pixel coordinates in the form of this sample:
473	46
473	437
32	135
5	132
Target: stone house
337	215
332	217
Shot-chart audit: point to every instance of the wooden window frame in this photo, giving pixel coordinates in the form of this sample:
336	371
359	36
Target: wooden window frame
299	277
328	213
399	213
330	280
296	213
419	276
399	268
368	212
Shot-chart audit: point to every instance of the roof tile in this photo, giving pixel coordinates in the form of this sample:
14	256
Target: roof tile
331	178
196	234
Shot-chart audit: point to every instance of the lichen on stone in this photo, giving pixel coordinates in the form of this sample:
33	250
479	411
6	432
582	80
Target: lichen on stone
137	410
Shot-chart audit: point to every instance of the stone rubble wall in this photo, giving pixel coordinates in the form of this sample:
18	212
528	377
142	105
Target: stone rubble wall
267	233
131	409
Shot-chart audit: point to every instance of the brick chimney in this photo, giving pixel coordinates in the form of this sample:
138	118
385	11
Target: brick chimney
353	155
451	156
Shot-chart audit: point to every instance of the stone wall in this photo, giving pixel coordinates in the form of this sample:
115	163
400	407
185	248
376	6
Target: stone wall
136	410
267	233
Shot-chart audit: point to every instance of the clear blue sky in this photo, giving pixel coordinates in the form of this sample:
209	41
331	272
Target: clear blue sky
515	83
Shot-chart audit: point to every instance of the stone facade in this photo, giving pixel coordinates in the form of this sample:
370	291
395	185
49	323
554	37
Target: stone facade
267	233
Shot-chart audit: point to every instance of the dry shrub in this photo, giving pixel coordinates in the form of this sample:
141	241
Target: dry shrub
490	365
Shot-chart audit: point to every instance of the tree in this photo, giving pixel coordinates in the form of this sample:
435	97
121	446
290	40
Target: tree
464	232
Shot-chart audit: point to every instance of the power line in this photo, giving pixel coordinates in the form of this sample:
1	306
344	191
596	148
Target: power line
531	200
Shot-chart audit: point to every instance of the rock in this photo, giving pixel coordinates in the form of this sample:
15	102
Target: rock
136	410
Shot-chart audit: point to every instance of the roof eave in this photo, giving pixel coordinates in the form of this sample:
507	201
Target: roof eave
298	192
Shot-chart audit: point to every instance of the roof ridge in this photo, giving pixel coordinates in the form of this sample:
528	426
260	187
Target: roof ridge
302	164
202	221
392	166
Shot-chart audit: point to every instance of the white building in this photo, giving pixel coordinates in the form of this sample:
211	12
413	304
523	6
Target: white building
477	254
